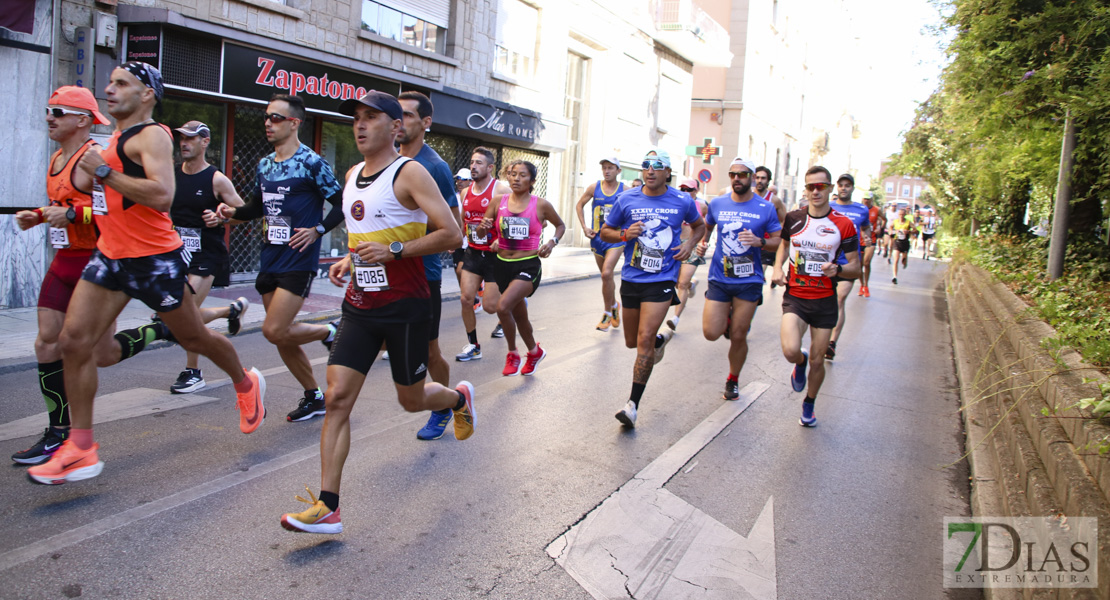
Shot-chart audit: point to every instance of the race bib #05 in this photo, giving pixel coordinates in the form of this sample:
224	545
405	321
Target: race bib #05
190	236
279	229
809	263
369	277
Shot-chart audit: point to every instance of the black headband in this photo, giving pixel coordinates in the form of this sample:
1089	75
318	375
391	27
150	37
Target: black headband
150	76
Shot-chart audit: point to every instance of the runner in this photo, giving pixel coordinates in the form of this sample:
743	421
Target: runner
861	219
478	258
749	226
928	234
901	228
462	183
889	216
687	285
389	201
290	189
765	190
138	256
200	188
417	111
519	219
878	225
812	238
603	193
649	219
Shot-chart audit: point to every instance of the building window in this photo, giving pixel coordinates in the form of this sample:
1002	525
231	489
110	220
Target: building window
890	188
397	23
916	191
517	28
905	190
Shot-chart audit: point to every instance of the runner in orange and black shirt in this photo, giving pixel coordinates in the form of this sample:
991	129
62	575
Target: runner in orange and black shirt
812	238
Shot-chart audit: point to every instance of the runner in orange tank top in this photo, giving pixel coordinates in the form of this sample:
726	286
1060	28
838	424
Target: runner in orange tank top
134	197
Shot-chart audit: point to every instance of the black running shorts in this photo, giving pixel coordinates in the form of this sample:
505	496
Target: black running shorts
359	337
632	293
507	271
480	262
157	281
819	313
295	282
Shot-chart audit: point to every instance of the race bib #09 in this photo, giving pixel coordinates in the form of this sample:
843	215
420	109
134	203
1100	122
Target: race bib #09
647	259
59	237
369	277
738	266
279	229
190	236
514	228
809	263
99	200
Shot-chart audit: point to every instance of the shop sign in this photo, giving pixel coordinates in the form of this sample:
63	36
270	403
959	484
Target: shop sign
468	116
251	73
144	43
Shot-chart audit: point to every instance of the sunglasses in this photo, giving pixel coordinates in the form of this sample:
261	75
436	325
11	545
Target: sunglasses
654	165
61	112
687	189
277	117
817	187
744	175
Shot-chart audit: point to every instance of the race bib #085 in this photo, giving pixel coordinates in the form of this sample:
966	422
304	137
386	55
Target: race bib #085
369	277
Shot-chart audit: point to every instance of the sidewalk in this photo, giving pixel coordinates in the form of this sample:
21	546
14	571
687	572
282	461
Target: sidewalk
19	326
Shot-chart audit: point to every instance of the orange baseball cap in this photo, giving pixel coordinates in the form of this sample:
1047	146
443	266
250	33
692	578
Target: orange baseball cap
78	97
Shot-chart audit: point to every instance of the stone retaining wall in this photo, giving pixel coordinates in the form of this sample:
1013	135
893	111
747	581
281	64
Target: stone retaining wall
1030	464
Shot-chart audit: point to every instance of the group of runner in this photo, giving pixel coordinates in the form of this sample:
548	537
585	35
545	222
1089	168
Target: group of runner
128	224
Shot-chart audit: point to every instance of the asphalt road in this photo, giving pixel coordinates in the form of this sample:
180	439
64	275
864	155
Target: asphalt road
188	507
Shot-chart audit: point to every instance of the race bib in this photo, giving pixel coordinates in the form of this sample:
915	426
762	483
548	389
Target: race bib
59	237
279	229
647	259
738	266
809	263
190	236
601	213
514	228
99	200
472	233
900	234
369	277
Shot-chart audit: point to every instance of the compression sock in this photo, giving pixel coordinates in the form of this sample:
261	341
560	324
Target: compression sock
732	377
82	438
245	385
461	404
53	388
637	393
132	341
330	499
472	337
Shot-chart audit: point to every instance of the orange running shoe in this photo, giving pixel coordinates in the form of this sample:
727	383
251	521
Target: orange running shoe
616	316
251	410
465	416
866	292
316	519
69	463
862	291
603	325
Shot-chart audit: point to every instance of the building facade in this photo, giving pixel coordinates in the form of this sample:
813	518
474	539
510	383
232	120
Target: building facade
901	190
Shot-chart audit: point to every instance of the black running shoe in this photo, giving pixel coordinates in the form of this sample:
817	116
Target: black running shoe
497	332
334	325
189	381
312	405
732	389
235	312
830	352
43	449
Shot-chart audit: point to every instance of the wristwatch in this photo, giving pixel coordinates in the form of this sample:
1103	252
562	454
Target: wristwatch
320	229
839	268
71	215
396	248
103	171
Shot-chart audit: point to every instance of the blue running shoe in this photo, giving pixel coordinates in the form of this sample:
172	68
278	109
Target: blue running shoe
437	422
798	375
808	418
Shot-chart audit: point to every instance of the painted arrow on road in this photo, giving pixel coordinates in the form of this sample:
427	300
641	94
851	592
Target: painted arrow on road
645	542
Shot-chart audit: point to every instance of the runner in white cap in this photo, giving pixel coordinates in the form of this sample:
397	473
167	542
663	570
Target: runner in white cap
603	192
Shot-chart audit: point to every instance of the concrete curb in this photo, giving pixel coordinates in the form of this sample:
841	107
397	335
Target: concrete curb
321	317
1031	465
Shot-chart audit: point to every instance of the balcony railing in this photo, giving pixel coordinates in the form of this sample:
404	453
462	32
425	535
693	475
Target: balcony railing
684	27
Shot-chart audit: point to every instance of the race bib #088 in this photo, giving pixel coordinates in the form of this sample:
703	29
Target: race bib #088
99	200
472	233
59	237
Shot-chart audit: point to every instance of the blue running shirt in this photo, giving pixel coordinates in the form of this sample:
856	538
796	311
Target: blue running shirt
650	258
734	261
293	194
445	181
860	216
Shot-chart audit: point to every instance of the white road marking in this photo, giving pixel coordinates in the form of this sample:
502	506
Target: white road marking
645	542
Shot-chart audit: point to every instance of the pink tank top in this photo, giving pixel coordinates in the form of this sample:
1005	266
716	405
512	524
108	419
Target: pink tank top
518	231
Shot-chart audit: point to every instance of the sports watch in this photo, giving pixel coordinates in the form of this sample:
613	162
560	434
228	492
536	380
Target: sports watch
71	215
103	171
320	229
396	248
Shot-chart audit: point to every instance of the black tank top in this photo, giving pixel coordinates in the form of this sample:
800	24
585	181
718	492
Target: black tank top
195	195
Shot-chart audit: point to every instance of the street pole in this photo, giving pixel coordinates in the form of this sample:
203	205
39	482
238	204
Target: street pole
1063	203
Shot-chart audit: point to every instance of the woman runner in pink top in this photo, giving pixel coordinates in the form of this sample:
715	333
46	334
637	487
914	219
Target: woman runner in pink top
519	219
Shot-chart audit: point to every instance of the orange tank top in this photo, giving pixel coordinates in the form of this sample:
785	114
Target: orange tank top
61	192
131	230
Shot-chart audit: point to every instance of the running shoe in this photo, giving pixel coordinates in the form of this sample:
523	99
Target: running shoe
333	328
251	410
616	313
667	335
385	356
673	324
437	422
861	290
512	364
469	352
69	463
312	405
189	381
830	352
531	360
894	280
43	449
605	322
866	292
808	419
798	375
465	416
235	312
497	332
627	415
477	304
317	519
732	389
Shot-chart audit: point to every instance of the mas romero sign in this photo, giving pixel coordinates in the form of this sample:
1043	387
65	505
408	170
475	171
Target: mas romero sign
258	74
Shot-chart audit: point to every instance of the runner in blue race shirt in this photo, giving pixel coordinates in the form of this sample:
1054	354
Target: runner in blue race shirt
649	219
861	218
747	225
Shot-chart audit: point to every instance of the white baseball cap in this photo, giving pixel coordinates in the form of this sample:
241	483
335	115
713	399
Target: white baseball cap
463	173
611	159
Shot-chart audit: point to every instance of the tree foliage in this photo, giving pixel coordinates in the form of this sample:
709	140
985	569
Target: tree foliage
988	139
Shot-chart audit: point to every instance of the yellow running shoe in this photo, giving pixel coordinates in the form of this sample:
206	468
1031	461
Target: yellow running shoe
317	519
617	315
464	417
604	324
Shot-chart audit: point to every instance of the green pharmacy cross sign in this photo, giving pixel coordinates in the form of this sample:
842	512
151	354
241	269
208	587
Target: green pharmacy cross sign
708	151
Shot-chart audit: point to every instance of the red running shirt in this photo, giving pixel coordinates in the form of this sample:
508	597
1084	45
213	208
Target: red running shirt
813	242
473	210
